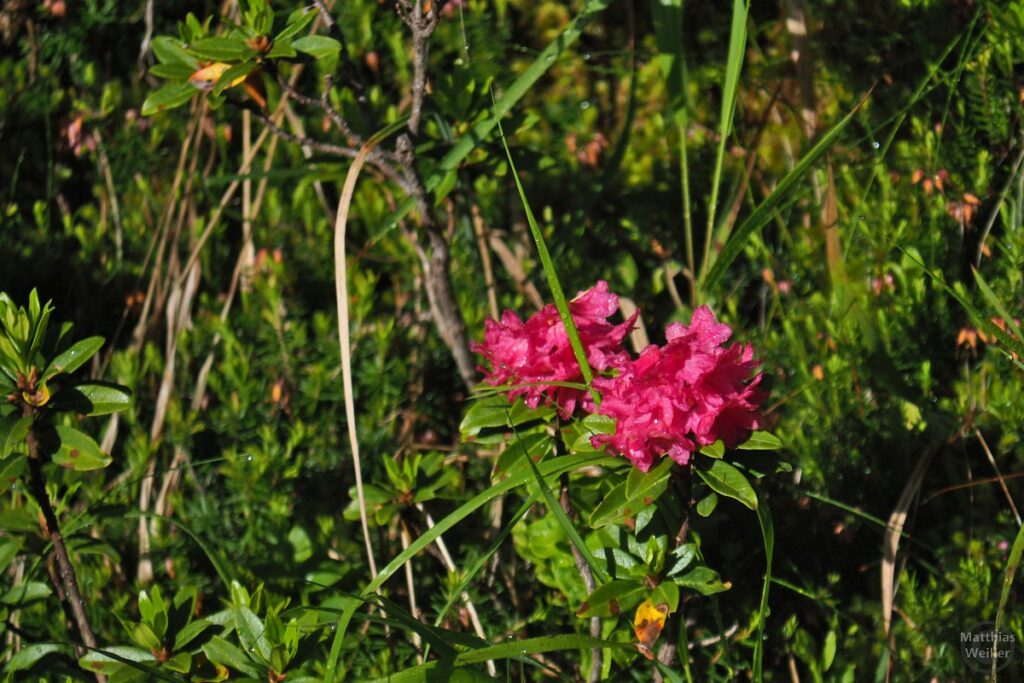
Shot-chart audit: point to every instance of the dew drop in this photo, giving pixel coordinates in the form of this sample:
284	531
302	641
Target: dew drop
587	57
584	105
248	458
876	144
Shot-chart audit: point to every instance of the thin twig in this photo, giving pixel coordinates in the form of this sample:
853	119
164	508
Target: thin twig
999	475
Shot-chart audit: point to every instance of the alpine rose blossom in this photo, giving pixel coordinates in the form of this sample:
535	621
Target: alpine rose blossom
689	393
537	352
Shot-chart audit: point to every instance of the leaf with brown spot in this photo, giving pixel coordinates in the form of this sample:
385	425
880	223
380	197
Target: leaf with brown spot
75	449
648	625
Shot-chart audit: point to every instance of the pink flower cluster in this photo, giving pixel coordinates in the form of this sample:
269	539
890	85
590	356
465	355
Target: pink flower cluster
670	401
533	354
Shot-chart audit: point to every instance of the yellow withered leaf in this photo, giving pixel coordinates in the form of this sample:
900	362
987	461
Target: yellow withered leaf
207	77
648	624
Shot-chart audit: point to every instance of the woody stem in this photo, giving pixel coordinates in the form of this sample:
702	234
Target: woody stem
66	572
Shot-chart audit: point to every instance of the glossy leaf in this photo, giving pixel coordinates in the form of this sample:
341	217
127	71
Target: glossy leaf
220	49
78	451
496	411
24	593
707	504
703	580
9	550
168	97
612	598
621	503
727	480
318	47
73	357
297	21
92	398
222	652
13	430
171	51
26	657
761	441
11	468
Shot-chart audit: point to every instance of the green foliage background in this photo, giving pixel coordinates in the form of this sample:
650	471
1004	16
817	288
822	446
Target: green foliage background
872	363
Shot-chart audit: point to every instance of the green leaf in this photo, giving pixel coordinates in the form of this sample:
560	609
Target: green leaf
666	593
74	357
548	266
496	411
319	47
620	503
143	635
702	579
612	598
114	658
281	48
250	632
92	398
685	555
78	451
297	21
24	593
221	49
168	97
761	441
828	651
583	430
16	434
190	632
714	450
172	72
707	504
11	468
224	653
171	51
728	481
9	550
26	657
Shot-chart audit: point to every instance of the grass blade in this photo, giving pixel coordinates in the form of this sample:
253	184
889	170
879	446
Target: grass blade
764	517
1012	564
482	560
737	46
567	526
549	271
762	214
